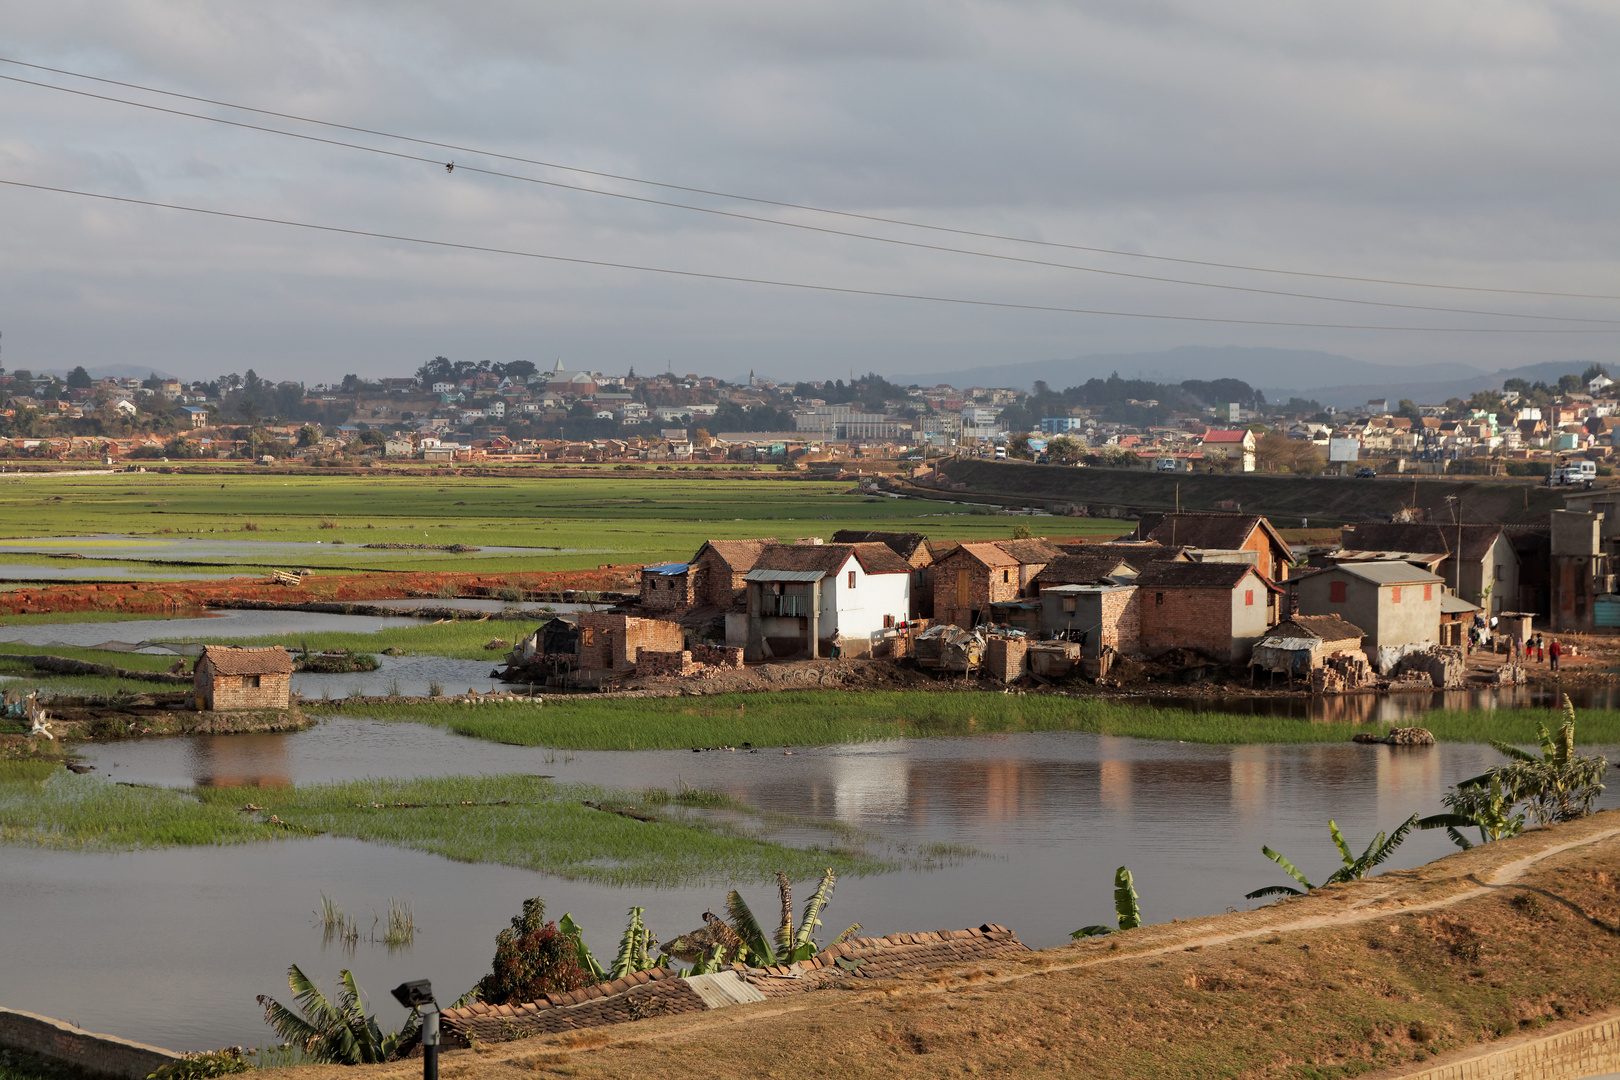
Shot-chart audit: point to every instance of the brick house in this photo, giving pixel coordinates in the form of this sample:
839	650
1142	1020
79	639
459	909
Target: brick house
1219	609
610	642
800	595
1096	566
1099	617
718	569
1220	532
228	678
973	576
1480	562
914	549
1397	604
670	588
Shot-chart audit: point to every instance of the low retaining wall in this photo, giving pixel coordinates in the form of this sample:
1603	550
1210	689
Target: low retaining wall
700	661
719	656
1590	1050
104	1055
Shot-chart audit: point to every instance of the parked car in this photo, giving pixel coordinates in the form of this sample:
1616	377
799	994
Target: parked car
1366	472
1574	472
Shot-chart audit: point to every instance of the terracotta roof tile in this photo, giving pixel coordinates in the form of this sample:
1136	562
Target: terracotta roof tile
231	661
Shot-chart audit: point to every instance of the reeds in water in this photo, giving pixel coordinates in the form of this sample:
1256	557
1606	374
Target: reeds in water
337	925
401	930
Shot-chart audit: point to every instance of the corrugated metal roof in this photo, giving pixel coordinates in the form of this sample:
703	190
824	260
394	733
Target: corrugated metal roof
1390	573
784	575
668	569
1289	644
1450	605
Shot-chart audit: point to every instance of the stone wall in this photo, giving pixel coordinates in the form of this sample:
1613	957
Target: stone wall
1590	1050
719	656
701	661
103	1055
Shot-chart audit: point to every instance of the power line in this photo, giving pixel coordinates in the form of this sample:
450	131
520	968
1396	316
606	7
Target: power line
451	166
791	205
737	278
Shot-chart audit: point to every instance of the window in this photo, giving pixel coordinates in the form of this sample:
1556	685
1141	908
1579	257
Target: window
1248	598
1501	572
1428	592
250	681
587	637
888	622
1006	576
1335	592
1158	598
1069	605
852	579
1394	594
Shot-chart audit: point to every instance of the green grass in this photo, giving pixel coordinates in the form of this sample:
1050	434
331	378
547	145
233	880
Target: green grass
54	618
520	821
823	718
610	518
461	640
86	686
129	661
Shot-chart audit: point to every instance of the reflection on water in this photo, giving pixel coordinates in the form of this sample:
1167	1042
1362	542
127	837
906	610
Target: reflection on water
218	624
180	941
1395	708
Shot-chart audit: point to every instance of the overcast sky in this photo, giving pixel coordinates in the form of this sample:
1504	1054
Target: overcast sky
1468	142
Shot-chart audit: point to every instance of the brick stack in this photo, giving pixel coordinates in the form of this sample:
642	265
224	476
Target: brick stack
1004	658
719	656
1346	671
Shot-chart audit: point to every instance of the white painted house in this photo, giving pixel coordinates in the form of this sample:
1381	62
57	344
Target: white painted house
801	595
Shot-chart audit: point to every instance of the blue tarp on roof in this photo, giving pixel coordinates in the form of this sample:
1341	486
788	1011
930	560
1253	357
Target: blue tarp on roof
668	569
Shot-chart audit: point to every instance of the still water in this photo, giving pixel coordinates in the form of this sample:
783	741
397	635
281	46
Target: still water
171	946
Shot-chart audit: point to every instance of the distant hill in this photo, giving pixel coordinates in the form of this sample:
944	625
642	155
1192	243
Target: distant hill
1330	378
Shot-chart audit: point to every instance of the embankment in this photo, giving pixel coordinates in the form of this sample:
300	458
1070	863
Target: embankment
1287	500
1482	954
176	597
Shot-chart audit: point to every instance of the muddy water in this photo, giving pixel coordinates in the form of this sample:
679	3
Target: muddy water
171	946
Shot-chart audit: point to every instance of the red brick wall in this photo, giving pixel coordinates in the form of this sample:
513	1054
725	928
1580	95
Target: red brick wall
611	642
1188	619
228	691
668	592
1004	658
1122	621
716	585
985	586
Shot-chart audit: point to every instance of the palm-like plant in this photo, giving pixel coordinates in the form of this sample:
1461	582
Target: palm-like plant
1354	866
1560	785
790	943
335	1032
1473	804
636	946
1126	907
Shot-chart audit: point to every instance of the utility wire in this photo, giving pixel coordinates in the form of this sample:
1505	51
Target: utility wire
786	284
452	166
801	206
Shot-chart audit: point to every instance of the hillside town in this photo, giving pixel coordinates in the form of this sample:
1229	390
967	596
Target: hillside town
452	412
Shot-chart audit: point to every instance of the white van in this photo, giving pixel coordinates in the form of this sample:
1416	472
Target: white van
1164	464
1575	472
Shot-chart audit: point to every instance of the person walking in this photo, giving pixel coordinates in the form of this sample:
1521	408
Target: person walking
837	645
1541	650
1554	651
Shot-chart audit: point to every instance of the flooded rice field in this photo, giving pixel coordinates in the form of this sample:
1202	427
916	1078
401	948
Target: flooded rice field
217	624
181	940
187	548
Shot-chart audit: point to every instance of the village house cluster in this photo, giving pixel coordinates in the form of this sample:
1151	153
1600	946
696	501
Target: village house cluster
1401	601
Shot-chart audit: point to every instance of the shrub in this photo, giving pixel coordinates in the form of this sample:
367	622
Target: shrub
532	959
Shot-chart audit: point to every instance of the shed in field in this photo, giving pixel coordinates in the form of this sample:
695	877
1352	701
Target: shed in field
230	678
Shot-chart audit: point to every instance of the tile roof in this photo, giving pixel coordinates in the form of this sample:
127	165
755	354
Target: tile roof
1420	536
830	558
1228	531
664	992
1030	551
740	555
1180	575
1325	627
227	660
985	552
1137	551
903	544
1091	568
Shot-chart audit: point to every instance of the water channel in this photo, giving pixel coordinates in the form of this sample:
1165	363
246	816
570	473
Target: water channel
180	941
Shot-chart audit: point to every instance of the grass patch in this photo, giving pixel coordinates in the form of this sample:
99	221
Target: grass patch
463	639
521	821
103	687
800	718
54	618
130	661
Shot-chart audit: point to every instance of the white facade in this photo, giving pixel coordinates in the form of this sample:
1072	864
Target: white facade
859	606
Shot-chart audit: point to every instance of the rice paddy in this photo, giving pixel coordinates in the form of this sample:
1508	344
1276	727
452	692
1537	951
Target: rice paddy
801	718
575	831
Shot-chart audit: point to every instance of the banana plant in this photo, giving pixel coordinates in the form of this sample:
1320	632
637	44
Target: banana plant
1126	907
791	943
1354	866
804	938
1485	806
333	1032
1560	785
635	948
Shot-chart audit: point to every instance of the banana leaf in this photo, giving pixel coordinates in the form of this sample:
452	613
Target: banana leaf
1338	842
1094	930
804	939
632	947
1126	904
760	953
784	931
1273	890
587	961
1288	868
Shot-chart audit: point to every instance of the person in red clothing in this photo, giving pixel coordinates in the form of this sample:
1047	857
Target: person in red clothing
1553	652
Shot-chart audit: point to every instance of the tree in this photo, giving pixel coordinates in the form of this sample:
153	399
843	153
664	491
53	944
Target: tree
1592	372
79	379
373	438
335	1032
1569	384
1407	408
1018	447
532	959
308	436
1065	449
519	369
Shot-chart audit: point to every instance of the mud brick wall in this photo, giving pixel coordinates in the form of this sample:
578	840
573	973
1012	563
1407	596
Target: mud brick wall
1586	1051
653	664
235	692
984	587
1198	619
719	656
668	592
1122	621
716	585
99	1055
1004	658
612	642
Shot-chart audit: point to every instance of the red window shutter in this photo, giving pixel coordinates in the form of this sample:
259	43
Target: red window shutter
1428	592
1248	598
1336	592
852	579
1394	594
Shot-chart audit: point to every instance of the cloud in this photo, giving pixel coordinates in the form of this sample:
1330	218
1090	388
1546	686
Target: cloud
1451	141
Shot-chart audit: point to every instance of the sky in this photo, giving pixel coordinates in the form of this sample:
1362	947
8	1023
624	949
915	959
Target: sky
1454	142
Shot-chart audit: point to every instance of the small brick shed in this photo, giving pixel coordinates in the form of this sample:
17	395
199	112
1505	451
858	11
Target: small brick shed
230	678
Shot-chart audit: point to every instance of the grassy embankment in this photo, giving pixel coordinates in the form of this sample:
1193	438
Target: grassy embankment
816	718
570	523
522	821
